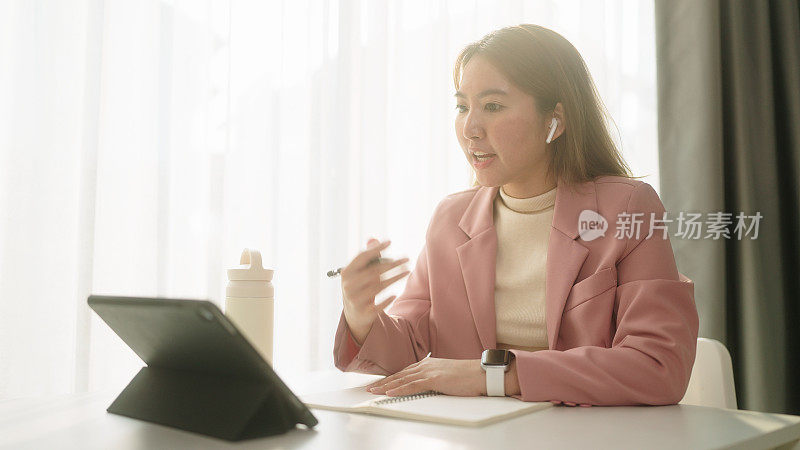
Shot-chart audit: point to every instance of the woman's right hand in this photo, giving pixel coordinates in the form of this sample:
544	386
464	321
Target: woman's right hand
361	282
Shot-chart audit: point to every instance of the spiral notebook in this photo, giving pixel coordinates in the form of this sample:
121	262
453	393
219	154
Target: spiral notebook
429	406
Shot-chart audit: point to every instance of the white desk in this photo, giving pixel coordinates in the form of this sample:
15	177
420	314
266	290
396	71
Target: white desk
80	421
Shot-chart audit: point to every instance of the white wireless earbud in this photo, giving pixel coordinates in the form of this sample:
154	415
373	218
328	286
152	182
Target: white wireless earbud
553	126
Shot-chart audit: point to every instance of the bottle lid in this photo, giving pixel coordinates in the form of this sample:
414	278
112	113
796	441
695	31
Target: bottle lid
250	268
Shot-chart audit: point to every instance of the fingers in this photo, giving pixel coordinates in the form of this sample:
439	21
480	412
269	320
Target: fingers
410	377
375	383
373	273
413	387
411	368
382	305
372	284
393	381
387	266
415	378
361	281
391	377
363	258
416	364
374	289
388	282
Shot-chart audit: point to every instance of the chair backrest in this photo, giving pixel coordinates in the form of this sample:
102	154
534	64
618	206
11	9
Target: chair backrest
711	383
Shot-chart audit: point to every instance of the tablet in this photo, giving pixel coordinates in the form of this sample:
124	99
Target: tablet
191	335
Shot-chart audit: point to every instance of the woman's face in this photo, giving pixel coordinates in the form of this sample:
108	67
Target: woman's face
494	116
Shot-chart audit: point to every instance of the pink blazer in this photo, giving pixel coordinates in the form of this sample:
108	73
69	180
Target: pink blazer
621	320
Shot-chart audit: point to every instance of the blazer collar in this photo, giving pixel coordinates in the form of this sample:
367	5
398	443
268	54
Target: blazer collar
565	256
479	215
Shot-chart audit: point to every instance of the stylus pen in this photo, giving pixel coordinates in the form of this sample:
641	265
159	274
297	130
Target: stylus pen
333	273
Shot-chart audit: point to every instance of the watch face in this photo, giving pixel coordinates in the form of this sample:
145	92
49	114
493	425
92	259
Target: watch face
496	357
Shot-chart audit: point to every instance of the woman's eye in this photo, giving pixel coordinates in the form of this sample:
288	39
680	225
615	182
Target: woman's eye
492	107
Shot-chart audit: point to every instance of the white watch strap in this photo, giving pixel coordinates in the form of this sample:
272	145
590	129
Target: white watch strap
495	381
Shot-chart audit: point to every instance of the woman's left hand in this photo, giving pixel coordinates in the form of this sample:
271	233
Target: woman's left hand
461	377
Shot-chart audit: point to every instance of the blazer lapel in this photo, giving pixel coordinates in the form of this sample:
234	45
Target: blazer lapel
565	256
477	258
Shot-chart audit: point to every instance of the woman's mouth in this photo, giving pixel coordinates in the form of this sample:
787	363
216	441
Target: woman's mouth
481	160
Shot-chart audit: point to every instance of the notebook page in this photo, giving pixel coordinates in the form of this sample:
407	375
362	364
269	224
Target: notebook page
461	410
341	400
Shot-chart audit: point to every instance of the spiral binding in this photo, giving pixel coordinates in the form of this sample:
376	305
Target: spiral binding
405	398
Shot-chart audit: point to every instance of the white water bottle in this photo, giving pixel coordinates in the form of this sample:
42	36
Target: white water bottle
250	301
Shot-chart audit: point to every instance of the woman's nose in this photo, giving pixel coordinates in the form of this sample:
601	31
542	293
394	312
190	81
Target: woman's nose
473	128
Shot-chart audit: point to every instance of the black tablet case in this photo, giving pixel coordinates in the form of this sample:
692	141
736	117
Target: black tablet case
202	375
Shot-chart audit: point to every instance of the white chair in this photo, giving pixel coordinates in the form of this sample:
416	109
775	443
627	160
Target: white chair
711	383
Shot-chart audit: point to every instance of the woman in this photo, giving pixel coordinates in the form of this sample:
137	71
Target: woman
588	318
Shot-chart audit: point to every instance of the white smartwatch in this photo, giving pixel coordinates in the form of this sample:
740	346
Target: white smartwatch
496	363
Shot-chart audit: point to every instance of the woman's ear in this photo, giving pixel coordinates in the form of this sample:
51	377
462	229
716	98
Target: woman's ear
558	114
553	127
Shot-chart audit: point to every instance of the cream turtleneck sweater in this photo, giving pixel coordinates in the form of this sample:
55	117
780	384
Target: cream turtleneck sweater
523	234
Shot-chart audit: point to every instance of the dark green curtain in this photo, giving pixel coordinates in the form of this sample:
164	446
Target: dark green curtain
729	141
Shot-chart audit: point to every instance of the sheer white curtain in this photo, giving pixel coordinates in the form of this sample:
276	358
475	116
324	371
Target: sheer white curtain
143	144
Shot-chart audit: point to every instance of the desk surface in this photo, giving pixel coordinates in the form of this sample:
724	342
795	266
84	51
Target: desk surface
80	421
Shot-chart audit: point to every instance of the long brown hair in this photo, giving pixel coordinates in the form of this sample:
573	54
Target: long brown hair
545	65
